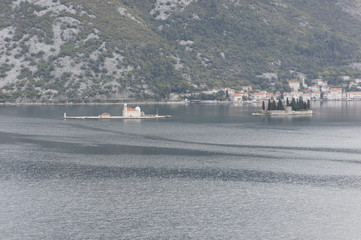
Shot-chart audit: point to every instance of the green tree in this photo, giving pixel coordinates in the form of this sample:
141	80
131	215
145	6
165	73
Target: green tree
280	105
293	104
269	106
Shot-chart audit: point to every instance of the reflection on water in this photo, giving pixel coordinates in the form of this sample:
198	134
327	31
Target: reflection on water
211	171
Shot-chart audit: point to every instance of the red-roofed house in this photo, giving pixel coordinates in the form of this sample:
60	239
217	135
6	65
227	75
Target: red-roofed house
334	94
293	94
104	115
260	96
353	95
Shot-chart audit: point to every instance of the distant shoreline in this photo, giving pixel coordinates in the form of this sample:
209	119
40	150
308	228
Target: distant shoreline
109	103
71	104
141	103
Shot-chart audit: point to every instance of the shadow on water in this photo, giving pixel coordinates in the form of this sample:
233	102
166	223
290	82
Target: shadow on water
111	149
118	149
47	170
123	149
157	138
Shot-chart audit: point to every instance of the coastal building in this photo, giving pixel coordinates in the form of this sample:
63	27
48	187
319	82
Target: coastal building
238	97
260	96
132	112
354	95
306	96
293	94
294	85
316	95
174	97
334	94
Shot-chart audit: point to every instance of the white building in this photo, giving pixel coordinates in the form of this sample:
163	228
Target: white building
104	115
260	96
314	88
238	97
325	89
294	94
353	95
294	85
230	91
345	78
334	94
321	83
306	96
316	95
247	88
358	80
132	112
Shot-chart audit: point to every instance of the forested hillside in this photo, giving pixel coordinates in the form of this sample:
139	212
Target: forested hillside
92	50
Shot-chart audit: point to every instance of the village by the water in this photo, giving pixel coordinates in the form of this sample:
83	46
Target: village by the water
295	102
319	90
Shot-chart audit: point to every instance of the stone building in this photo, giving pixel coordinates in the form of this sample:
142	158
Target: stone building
132	112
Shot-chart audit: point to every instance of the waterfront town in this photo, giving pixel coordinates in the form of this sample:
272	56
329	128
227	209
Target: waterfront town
319	90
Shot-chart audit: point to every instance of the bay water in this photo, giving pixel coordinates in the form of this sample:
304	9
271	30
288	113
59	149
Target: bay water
209	172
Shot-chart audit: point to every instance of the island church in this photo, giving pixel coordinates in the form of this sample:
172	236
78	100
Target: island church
132	112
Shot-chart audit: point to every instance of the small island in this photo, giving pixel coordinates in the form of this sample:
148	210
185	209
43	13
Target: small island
128	113
295	107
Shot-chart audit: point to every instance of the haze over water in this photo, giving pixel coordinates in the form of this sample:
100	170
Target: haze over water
209	172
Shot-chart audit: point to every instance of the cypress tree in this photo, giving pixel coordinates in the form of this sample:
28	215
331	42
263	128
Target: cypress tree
280	105
273	105
293	104
300	104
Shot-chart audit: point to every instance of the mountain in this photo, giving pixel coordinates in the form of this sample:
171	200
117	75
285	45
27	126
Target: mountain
76	50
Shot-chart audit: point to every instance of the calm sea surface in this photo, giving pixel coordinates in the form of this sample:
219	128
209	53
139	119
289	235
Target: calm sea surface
210	172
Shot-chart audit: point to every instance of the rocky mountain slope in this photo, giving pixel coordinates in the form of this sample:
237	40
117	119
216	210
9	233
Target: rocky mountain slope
118	49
